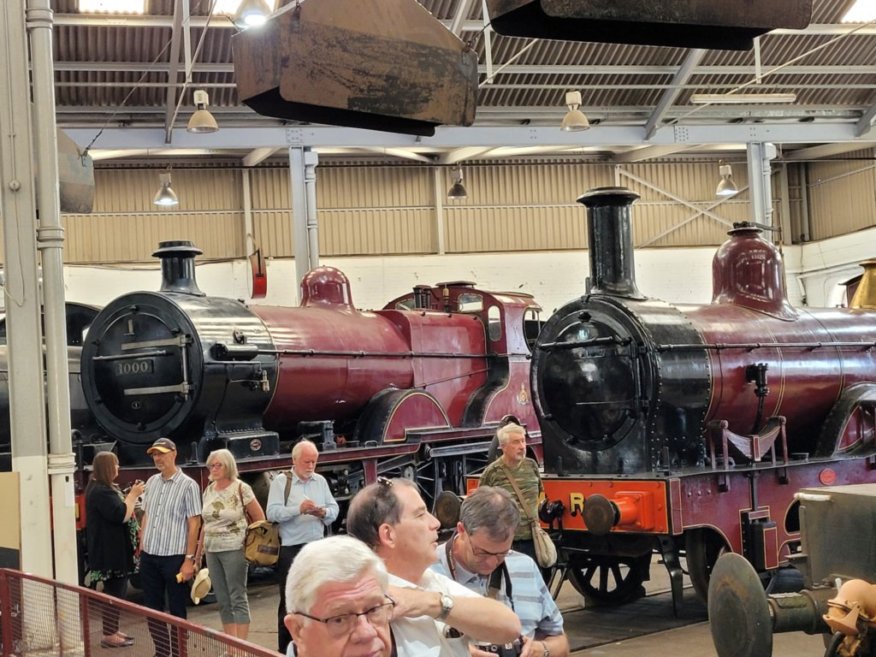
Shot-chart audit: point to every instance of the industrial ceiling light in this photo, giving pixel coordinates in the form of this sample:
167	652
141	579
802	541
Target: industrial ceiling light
251	13
574	119
457	189
165	197
202	120
726	187
742	99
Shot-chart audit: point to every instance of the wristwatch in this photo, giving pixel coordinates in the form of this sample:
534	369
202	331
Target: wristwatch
190	556
446	606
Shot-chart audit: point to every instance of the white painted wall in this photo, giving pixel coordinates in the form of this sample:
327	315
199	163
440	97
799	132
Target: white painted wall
827	263
676	275
552	277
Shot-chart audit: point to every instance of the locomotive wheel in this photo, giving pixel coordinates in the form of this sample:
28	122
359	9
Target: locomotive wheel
703	548
609	580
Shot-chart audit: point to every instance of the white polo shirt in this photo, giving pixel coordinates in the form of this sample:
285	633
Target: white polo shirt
423	636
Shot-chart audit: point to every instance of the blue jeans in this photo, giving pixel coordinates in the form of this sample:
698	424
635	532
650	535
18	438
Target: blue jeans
158	578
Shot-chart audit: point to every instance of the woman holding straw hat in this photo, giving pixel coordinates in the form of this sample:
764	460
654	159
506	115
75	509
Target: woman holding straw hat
229	506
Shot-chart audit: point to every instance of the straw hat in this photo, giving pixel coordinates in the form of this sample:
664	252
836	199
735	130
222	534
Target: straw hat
201	585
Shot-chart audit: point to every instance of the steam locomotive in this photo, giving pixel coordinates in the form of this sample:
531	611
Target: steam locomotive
78	316
688	429
416	389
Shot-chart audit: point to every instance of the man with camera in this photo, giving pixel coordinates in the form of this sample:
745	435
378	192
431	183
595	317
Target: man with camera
479	556
433	616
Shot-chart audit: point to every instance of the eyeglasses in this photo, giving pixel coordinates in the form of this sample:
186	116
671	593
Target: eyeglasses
215	465
344	624
483	554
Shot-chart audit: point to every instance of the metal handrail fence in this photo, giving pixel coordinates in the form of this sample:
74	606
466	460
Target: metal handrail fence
40	617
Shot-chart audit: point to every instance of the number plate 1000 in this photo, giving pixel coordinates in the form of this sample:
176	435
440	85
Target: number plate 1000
134	367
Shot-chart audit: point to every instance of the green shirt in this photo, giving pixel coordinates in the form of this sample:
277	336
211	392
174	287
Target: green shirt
528	480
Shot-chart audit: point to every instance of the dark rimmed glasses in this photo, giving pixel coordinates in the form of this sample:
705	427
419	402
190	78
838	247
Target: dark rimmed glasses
344	624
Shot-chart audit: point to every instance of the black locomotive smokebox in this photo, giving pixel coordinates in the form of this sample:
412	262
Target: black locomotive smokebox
721	24
378	64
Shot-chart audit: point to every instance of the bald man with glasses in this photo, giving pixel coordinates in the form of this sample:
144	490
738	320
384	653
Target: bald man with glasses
479	556
337	600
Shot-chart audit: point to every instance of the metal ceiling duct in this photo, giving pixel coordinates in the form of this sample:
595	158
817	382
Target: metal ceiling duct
720	24
379	64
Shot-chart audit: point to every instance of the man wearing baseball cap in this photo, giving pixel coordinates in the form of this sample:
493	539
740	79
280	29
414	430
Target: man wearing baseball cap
172	504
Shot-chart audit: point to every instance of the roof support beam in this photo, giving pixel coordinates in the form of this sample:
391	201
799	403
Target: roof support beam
648	153
257	156
179	13
866	122
669	96
95	20
467	142
459	18
402	153
460	154
511	69
825	150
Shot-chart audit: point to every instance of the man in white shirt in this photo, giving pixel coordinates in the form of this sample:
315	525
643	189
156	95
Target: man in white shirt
303	505
434	616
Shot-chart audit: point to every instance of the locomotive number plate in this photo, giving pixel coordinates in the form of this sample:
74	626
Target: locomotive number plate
134	367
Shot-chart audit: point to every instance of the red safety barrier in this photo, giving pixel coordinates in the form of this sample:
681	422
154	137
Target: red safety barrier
41	617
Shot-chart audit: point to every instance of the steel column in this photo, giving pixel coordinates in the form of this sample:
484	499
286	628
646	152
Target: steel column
25	357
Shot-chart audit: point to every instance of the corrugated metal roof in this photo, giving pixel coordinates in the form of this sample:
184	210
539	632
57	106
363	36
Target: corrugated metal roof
116	70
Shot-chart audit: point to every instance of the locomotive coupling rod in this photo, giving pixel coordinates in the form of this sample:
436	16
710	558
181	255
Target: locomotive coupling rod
142	354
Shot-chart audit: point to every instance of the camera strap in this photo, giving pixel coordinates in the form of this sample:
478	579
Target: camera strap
497	577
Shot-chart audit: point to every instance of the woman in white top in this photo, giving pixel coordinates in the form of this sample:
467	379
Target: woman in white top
229	505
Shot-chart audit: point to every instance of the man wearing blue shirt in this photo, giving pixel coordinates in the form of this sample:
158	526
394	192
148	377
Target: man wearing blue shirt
479	556
303	513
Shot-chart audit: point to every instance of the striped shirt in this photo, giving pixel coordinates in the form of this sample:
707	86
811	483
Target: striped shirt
528	480
533	603
169	503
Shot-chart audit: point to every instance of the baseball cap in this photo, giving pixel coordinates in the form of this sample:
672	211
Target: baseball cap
163	445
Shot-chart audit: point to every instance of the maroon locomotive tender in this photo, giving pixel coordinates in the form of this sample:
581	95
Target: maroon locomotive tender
416	389
687	430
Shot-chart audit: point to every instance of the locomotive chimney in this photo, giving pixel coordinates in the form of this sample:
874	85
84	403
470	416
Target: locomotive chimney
178	267
609	231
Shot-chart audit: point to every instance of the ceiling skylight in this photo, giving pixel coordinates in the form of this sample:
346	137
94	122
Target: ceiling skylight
230	7
112	6
863	11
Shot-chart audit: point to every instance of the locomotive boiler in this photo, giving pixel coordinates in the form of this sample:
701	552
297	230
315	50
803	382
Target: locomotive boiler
415	389
688	429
